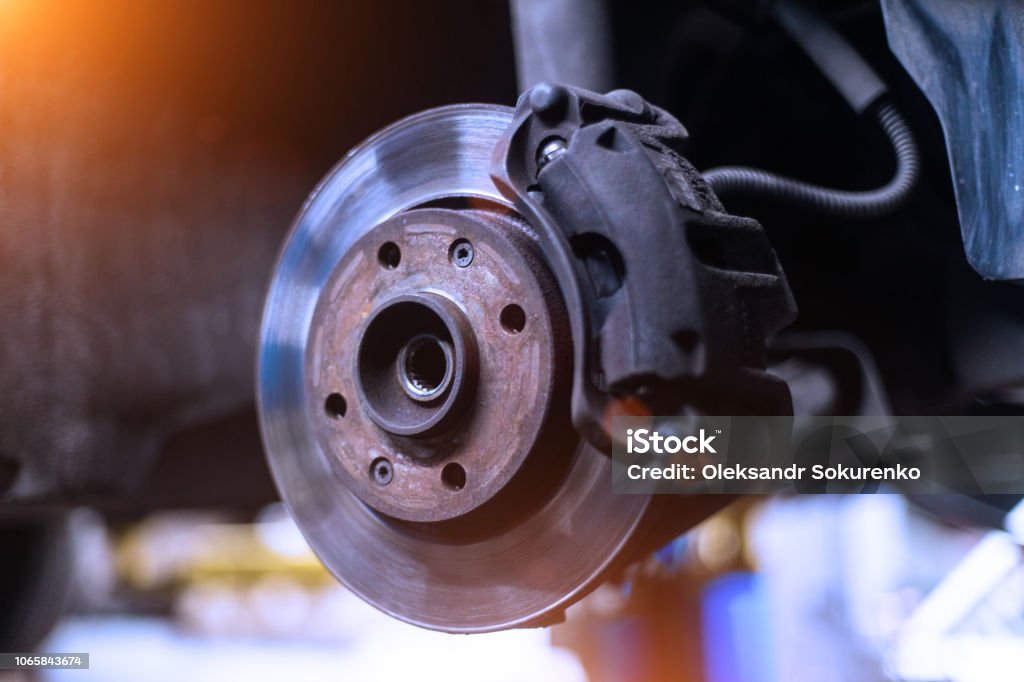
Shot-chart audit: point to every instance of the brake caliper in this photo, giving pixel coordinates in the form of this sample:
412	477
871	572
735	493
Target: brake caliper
670	298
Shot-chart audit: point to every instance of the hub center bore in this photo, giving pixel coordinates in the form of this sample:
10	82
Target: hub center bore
416	364
425	367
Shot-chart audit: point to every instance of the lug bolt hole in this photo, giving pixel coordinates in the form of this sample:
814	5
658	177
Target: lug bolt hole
381	471
461	253
453	476
513	319
335	405
389	255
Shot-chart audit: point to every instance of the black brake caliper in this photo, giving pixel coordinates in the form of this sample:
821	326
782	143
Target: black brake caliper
670	297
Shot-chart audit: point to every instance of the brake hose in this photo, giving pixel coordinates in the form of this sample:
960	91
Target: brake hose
865	92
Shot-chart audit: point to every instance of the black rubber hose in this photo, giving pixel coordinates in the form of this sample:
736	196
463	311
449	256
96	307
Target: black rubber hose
739	180
863	90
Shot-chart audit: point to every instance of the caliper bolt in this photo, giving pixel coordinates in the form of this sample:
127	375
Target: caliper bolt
549	151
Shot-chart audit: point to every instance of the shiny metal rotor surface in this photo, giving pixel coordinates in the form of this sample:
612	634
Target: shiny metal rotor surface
518	573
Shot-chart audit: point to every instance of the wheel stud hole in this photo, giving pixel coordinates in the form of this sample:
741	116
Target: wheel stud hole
513	319
453	476
389	255
335	405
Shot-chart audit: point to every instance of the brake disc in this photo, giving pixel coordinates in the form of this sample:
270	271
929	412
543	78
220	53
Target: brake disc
362	468
432	349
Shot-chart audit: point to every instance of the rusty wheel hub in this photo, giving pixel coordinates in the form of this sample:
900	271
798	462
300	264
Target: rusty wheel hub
437	333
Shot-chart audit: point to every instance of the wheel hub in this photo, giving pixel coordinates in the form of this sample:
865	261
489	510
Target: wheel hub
436	330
